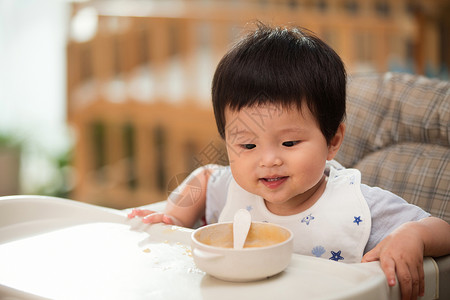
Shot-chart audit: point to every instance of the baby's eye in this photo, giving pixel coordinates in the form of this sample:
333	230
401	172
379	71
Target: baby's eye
290	143
248	146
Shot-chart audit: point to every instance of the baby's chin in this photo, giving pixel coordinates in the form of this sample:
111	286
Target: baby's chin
291	204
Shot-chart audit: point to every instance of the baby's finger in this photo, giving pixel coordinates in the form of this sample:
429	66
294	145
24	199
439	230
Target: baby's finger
408	281
132	214
139	213
421	280
388	267
415	283
143	212
153	218
372	255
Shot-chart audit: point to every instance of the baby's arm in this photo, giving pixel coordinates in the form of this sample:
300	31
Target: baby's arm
186	205
403	250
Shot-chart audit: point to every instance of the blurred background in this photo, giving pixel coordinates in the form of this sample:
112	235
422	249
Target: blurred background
108	102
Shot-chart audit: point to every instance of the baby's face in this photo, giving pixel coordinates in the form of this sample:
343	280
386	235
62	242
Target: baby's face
278	154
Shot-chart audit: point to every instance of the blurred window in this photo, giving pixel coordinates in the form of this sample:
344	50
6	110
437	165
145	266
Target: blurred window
85	62
143	48
322	5
382	8
117	54
98	142
293	4
129	145
160	159
351	7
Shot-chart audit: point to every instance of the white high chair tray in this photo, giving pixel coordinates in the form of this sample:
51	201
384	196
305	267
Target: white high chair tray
53	248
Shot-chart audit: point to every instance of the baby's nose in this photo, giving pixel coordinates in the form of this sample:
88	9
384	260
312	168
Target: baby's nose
270	159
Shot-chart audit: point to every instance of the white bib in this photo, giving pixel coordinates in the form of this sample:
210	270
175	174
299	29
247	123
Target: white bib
336	227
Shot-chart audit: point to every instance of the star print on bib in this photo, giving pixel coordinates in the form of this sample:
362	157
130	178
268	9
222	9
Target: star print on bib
308	219
336	256
357	220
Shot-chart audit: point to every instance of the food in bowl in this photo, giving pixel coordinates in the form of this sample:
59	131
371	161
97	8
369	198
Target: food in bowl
259	235
267	251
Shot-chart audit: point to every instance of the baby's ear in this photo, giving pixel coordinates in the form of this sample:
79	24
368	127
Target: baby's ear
336	142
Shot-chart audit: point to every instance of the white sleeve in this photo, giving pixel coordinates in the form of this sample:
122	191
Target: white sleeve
388	212
216	193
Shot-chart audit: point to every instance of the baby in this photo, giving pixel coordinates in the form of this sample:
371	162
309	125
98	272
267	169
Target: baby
279	102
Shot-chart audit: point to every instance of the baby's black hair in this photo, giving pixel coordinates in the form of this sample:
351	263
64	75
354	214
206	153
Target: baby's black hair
281	66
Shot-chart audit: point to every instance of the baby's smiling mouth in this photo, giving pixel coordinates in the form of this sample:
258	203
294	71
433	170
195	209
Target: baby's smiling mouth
272	179
273	182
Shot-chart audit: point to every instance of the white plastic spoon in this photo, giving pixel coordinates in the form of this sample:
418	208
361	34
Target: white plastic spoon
241	225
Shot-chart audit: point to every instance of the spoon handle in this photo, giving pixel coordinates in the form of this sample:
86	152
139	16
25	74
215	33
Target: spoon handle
241	225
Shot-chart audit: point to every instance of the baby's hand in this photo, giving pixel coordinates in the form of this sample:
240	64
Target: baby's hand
152	217
401	253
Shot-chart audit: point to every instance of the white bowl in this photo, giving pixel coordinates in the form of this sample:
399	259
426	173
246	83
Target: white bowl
267	251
